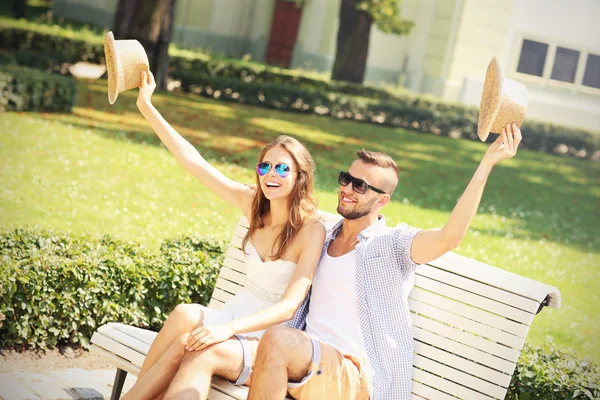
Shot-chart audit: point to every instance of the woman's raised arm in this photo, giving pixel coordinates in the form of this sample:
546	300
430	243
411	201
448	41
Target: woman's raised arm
233	192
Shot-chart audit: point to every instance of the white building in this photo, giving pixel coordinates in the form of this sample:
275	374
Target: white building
552	46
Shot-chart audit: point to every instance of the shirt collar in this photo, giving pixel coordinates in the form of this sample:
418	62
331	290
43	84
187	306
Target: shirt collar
365	233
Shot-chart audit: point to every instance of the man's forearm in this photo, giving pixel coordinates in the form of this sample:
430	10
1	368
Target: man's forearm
462	215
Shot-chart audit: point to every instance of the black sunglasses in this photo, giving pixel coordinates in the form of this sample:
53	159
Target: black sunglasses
358	185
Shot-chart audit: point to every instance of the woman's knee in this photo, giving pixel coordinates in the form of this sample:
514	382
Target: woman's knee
188	316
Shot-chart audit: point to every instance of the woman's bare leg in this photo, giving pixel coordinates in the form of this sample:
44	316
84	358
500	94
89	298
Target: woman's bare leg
184	319
156	380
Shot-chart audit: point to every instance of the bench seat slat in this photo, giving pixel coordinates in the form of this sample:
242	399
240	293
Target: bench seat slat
497	277
459	377
240	231
115	360
227	286
214	303
131	339
421	392
474	300
465	338
461	364
221	295
107	343
472	286
235	264
449	387
462	350
232	275
235	254
476	314
145	335
466	324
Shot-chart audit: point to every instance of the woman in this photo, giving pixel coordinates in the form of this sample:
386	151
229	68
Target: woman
282	249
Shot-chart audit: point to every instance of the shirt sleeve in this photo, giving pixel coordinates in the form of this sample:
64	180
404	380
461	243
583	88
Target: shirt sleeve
403	239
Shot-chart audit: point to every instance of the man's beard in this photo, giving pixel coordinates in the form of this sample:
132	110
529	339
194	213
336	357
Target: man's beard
357	212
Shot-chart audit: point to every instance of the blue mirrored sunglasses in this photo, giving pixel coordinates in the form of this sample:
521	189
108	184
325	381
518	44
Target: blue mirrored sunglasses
283	170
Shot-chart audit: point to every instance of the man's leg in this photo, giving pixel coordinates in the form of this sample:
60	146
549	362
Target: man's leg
315	370
284	354
192	380
184	319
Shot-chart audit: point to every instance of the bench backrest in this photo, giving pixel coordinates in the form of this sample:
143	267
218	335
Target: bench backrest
470	320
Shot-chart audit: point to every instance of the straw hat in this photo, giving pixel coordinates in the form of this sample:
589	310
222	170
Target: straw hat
503	101
125	61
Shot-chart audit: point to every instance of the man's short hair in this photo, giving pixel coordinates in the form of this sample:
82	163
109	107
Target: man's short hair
384	161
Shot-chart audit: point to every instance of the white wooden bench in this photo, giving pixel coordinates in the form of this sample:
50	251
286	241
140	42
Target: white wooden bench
470	321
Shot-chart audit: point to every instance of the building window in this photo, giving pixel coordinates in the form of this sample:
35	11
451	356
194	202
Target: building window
565	65
591	77
533	58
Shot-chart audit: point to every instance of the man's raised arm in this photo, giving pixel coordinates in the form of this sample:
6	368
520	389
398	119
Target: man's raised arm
432	243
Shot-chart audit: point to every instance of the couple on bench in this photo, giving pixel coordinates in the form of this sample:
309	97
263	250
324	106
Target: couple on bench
323	315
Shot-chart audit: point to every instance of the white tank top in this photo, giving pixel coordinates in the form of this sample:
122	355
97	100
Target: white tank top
333	314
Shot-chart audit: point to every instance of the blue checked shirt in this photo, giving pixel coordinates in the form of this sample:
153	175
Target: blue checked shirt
383	265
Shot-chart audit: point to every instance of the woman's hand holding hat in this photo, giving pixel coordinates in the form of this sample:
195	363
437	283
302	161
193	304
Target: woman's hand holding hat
147	87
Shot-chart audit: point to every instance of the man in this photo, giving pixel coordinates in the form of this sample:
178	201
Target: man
353	338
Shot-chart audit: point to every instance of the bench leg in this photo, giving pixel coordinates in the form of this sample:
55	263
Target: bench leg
118	384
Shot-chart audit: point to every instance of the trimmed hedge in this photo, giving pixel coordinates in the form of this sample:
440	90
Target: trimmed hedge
58	288
26	89
417	113
252	72
70	48
252	83
551	373
49	62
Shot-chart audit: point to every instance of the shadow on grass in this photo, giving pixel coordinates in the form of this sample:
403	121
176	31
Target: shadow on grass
551	197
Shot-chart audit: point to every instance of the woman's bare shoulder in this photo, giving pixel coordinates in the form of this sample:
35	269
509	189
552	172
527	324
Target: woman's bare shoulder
313	228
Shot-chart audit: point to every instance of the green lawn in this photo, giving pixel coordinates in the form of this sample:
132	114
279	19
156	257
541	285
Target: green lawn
102	170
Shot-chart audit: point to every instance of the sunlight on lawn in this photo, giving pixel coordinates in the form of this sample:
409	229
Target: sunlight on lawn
102	170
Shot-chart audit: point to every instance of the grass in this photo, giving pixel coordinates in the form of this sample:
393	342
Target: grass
101	169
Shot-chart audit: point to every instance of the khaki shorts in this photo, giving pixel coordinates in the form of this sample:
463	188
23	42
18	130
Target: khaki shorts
332	375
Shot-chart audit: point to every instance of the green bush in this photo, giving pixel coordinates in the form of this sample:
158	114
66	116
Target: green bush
256	73
49	62
266	86
413	112
26	89
551	373
68	47
59	288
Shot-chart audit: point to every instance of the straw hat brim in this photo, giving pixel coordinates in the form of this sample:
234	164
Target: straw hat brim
112	66
491	98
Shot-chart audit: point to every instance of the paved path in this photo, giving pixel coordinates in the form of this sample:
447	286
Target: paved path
68	384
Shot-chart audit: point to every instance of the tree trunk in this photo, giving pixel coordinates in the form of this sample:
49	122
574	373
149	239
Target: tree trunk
161	60
20	8
352	43
151	23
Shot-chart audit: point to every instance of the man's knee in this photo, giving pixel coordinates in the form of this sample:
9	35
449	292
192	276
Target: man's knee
276	339
287	348
283	343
